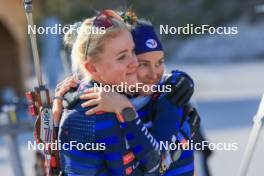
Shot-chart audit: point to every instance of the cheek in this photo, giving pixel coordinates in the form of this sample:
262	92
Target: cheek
116	72
108	73
160	72
141	74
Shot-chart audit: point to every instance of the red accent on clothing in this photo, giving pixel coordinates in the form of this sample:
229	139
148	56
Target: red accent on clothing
128	158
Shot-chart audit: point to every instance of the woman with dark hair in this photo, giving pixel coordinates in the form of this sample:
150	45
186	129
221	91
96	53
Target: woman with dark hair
165	114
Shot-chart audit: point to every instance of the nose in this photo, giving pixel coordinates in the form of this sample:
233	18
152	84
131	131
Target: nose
134	62
152	74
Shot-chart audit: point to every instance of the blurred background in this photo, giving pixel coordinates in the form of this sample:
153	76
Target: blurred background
228	70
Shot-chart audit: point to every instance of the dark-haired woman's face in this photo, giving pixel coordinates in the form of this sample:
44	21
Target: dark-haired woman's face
118	62
151	67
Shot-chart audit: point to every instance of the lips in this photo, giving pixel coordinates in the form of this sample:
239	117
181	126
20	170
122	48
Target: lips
132	72
151	82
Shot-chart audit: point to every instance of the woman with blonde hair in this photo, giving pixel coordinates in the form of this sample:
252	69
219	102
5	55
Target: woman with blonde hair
106	58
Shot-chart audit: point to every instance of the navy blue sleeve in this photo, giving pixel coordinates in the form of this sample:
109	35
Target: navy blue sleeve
94	130
169	125
144	146
108	131
167	119
145	141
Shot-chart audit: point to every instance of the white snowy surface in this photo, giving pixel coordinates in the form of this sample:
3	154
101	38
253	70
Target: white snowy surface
27	157
228	162
225	81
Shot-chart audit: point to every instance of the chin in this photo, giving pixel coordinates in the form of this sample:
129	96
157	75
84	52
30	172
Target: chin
132	80
146	93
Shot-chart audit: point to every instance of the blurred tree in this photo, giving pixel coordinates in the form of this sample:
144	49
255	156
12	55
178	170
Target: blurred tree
167	12
172	12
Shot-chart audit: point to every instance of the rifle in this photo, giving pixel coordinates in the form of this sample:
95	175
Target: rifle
40	105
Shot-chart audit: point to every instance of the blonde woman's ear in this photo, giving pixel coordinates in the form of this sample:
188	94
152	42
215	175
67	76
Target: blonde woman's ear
90	67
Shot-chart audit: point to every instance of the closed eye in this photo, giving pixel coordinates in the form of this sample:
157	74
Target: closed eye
122	57
133	51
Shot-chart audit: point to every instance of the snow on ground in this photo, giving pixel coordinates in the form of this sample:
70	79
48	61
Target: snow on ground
225	81
27	157
228	162
230	122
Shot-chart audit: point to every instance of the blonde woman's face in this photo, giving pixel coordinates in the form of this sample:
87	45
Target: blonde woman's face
118	62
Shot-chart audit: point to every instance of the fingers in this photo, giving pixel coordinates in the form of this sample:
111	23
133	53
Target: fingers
91	95
194	121
185	97
63	89
73	77
93	110
92	102
66	85
93	89
69	80
77	76
180	82
176	93
176	88
181	92
73	84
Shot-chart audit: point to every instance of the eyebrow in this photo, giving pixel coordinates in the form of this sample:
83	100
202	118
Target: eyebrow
121	52
125	50
143	61
149	61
